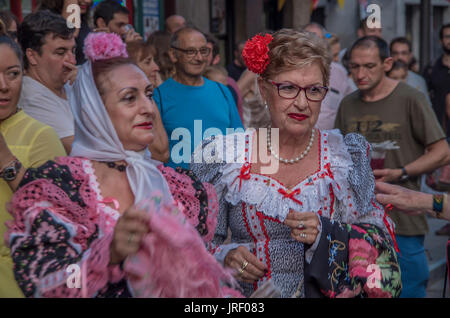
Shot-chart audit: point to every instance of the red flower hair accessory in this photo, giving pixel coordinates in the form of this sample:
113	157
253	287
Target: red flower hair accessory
255	53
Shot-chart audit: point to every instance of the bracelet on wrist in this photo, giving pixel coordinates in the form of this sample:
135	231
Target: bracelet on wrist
438	203
10	171
404	176
8	164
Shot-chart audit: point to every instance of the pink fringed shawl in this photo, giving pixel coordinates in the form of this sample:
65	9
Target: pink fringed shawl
173	261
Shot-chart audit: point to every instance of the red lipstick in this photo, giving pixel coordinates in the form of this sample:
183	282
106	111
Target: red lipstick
298	117
146	125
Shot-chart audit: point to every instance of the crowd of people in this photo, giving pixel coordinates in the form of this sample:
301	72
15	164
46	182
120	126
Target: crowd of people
294	170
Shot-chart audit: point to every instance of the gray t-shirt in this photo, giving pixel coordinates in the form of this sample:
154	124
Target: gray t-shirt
404	116
45	106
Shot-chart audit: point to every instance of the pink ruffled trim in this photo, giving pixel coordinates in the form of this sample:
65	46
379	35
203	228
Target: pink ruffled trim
43	190
183	192
173	261
95	272
27	204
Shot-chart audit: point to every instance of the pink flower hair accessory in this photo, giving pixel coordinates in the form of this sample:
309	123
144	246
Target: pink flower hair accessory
104	46
255	53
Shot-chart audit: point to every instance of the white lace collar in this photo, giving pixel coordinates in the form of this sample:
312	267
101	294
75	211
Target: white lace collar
270	196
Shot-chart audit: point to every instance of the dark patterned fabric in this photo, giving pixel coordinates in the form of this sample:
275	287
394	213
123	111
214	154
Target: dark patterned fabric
361	263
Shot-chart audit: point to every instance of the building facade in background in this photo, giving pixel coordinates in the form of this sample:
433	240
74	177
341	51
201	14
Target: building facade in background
232	21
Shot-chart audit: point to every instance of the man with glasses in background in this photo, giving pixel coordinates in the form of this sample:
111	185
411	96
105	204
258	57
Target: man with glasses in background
192	107
383	109
401	50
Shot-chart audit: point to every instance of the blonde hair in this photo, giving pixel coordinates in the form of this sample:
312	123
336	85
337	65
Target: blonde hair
292	49
139	51
215	69
216	73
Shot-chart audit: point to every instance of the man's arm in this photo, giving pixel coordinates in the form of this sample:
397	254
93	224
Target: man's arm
427	130
437	155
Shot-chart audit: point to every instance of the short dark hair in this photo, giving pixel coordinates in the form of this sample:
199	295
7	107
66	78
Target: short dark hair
401	40
7	40
398	65
36	26
369	42
363	23
55	6
441	30
107	9
215	43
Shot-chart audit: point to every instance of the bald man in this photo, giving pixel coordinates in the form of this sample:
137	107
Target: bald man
192	106
175	23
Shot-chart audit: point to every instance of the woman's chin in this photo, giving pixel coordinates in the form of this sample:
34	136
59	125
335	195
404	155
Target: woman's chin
298	129
139	145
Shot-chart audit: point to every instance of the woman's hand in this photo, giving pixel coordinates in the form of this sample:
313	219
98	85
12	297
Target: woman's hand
3	146
409	201
132	36
247	267
304	226
128	233
72	75
5	154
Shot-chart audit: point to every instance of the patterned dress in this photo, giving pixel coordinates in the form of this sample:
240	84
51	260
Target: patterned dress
353	255
60	218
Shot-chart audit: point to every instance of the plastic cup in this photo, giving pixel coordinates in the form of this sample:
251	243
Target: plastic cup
377	161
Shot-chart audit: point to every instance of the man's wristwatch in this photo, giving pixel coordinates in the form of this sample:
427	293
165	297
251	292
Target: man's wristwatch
404	177
9	172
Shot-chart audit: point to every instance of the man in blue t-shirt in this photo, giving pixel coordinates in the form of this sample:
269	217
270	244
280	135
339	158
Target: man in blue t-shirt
192	107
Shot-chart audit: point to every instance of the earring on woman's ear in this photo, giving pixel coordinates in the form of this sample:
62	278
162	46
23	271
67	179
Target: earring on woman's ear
265	105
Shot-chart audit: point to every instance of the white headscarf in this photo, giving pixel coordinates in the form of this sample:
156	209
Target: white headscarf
96	139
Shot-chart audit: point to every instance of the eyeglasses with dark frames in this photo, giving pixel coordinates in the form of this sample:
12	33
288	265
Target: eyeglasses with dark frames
204	51
313	93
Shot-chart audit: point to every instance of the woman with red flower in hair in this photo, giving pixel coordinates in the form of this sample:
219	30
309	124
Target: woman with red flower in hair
299	202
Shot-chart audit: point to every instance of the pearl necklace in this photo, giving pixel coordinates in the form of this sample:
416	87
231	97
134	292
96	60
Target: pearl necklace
302	155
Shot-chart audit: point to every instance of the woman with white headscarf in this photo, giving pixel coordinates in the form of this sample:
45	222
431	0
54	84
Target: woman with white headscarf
91	224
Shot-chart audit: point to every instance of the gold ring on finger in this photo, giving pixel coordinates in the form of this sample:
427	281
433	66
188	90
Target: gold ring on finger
301	225
244	265
303	235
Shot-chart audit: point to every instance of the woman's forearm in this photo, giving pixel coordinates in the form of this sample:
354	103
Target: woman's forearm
6	158
427	206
